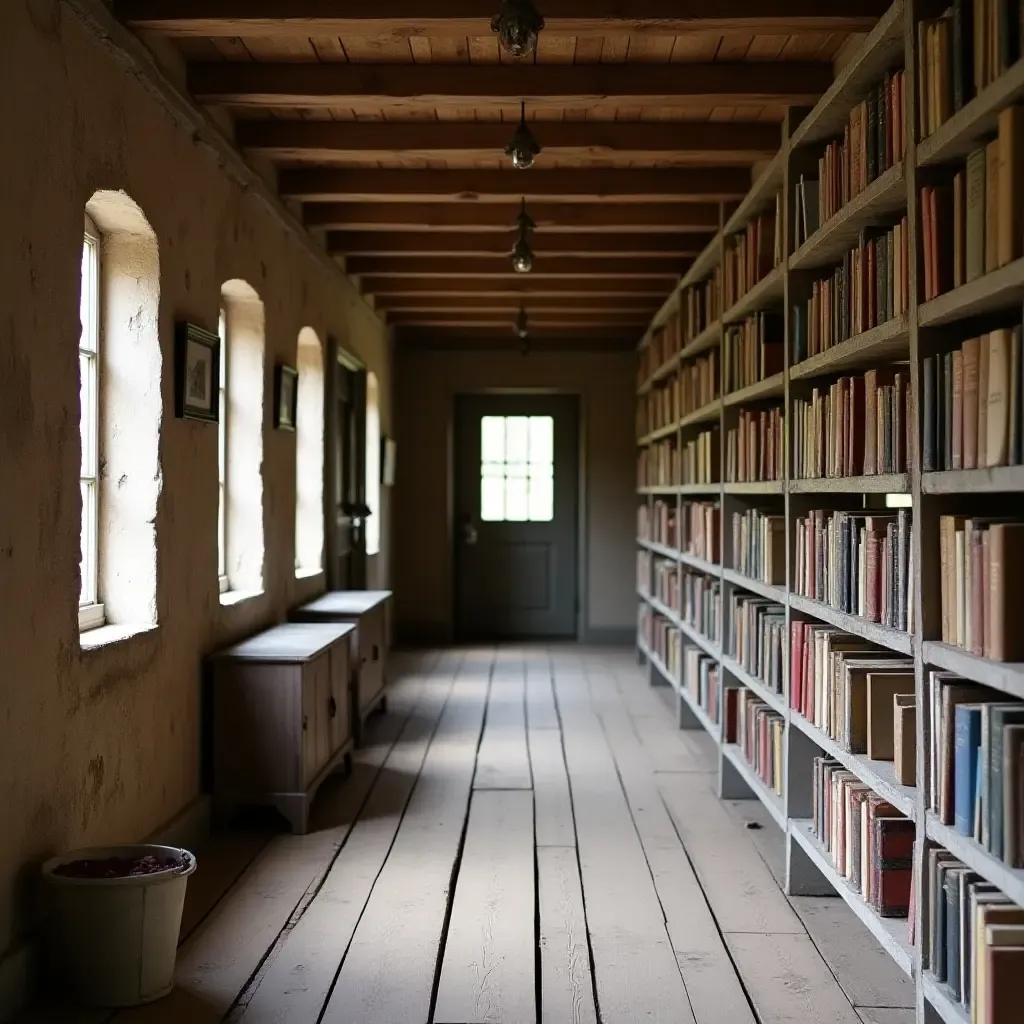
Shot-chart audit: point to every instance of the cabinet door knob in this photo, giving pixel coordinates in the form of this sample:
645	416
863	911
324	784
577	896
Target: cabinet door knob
332	707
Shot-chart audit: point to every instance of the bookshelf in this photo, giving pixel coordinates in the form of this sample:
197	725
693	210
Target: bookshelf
892	338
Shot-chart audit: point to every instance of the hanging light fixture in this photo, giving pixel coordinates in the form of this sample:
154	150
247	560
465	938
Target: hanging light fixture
523	147
522	254
522	325
517	24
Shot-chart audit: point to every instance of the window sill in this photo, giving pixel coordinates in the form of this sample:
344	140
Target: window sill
308	574
105	636
232	597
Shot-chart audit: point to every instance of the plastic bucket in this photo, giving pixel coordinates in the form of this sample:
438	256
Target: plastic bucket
115	939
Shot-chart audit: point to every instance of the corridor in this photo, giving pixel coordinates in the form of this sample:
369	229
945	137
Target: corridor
526	838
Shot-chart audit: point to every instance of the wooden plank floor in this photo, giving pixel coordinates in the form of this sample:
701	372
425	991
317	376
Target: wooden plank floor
527	838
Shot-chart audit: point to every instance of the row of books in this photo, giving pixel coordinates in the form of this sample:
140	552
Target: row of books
699	458
979	559
757	638
657	523
858	694
975	225
698	383
860	425
753	253
701	306
702	529
658	464
657	408
701	679
753	351
665	586
661	637
663	346
856	563
643	571
754	446
760	732
977	764
961	53
702	603
973	404
975	940
759	546
874	140
869	842
869	287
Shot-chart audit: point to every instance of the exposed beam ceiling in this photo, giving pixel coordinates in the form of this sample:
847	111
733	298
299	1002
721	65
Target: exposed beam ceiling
641	185
555	266
403	19
516	286
325	141
743	84
669	218
513	303
538	321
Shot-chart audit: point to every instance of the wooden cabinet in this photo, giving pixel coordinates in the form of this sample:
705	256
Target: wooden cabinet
368	610
282	718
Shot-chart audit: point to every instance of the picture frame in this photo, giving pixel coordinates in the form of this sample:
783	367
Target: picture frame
388	452
286	397
197	358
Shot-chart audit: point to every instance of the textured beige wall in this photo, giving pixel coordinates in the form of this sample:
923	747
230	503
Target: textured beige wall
104	746
425	385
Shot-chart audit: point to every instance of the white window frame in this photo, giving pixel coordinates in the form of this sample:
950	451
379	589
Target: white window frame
222	456
90	608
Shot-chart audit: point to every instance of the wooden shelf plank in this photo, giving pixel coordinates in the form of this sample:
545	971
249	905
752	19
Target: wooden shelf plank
707	339
658	489
885	195
705	414
876	633
699	713
769	590
767	388
1002	289
707	645
766	293
756	487
771	800
888	341
884	483
698	488
656	435
660	373
891	932
659	606
879	775
975	123
971	481
761	195
658	549
880	52
1000	675
700	564
755	685
942	1001
975	856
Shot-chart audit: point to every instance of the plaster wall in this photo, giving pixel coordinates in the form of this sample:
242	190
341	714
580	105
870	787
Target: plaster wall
104	745
426	383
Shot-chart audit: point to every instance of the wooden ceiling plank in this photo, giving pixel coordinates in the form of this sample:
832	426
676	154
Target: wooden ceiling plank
597	184
480	85
544	267
424	243
568	286
453	18
513	302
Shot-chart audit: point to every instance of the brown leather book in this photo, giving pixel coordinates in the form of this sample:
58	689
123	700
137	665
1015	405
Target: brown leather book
1004	985
998	398
882	687
958	409
1005	570
971	354
992	211
983	352
977	595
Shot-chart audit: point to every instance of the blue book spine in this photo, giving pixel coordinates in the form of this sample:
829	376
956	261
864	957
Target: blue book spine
965	766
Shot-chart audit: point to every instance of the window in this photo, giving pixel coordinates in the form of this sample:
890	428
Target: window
517	469
372	465
309	457
222	455
90	611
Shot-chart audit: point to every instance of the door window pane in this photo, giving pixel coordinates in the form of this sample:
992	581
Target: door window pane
517	469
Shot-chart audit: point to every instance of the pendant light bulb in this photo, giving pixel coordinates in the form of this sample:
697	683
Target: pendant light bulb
517	23
522	254
522	325
524	147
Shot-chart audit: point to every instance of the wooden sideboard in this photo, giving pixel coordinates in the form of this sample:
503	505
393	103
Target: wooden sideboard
282	715
368	610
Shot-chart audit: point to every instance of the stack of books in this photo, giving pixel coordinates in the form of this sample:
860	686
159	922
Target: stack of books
700	458
976	757
860	425
753	350
757	633
702	529
760	730
702	604
759	545
870	843
973	408
753	254
856	563
700	679
870	287
702	306
754	446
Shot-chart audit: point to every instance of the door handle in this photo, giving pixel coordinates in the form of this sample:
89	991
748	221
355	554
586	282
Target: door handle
469	534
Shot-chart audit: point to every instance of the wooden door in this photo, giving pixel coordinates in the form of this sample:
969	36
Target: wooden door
516	510
339	702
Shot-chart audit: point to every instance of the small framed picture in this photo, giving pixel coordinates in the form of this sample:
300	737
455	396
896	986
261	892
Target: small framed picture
196	373
286	396
389	449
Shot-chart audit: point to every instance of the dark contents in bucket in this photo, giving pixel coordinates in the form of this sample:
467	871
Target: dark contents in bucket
118	867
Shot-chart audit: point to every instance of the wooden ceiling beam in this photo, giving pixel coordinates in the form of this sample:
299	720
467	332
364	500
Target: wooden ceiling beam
422	243
320	141
540	321
496	217
544	267
596	184
515	288
499	338
392	86
512	303
403	19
